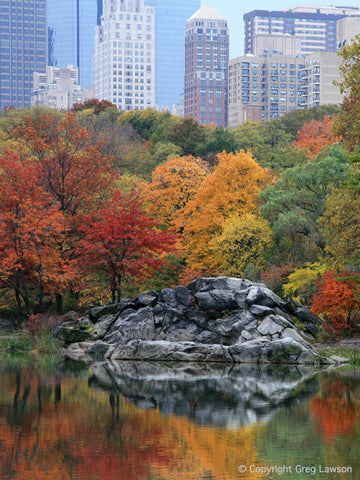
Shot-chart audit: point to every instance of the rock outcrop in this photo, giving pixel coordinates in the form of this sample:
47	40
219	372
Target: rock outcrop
220	319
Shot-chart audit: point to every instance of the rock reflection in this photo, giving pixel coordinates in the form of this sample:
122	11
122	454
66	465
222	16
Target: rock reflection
208	394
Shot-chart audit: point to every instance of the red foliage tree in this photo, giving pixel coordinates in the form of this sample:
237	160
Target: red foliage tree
98	106
315	135
338	302
74	172
30	228
123	242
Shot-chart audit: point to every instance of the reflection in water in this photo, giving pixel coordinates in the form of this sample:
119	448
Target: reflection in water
174	422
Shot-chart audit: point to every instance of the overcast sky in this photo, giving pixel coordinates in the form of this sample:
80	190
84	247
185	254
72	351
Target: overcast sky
234	10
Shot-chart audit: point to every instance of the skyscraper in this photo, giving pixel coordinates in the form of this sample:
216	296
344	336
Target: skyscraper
170	24
23	49
124	60
206	66
71	34
314	24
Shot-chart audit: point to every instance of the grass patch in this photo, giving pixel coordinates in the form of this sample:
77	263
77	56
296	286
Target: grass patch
352	353
42	343
17	343
46	344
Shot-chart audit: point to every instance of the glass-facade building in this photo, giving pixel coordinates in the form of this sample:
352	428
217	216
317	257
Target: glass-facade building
170	25
71	34
23	49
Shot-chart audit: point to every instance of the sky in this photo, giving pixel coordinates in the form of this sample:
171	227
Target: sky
234	10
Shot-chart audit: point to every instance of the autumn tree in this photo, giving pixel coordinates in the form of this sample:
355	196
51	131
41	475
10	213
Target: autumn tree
315	135
74	172
172	186
337	301
31	226
124	243
245	240
94	104
231	189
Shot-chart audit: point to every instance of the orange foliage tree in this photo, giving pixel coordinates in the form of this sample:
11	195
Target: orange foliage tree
123	242
315	135
31	225
232	188
338	302
172	186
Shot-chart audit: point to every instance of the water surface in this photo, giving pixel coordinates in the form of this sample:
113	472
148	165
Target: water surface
136	421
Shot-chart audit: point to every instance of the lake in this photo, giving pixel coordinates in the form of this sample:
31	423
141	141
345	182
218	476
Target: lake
137	421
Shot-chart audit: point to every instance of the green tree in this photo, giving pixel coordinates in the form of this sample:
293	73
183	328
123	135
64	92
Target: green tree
340	226
188	134
347	123
270	145
297	200
220	140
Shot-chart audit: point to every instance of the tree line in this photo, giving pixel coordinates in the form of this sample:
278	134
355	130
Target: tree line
94	201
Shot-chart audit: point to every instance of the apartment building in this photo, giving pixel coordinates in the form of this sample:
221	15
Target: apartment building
206	67
317	78
315	25
263	87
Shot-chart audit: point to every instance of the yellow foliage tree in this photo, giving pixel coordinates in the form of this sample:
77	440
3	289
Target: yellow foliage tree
302	281
172	186
231	189
245	240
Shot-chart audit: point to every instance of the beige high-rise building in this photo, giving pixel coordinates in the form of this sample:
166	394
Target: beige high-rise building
347	29
124	60
317	80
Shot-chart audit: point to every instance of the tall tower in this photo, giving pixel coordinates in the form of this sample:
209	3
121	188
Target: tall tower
206	66
170	25
124	60
71	35
23	49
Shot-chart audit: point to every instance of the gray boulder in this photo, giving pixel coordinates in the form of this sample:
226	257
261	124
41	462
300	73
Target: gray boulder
222	319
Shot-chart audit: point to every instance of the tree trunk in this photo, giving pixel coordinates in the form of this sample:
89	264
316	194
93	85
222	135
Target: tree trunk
59	303
19	308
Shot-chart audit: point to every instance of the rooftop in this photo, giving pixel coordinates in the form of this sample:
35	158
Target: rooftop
206	12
